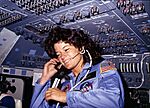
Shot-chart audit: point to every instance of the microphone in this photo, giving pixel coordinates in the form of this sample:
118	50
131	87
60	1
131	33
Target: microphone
81	52
57	79
59	75
74	56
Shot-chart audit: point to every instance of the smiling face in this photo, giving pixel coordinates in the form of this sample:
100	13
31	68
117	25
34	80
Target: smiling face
69	56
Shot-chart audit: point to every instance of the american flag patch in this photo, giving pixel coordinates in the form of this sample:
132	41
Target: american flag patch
106	67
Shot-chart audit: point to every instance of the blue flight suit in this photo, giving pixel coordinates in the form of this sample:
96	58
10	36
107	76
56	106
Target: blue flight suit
102	88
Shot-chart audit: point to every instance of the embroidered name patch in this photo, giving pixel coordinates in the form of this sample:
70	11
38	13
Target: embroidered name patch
86	86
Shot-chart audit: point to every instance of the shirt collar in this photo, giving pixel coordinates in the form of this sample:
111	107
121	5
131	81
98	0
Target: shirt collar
85	67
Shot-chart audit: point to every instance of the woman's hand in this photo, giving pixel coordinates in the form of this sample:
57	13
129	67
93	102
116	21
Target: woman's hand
55	94
49	70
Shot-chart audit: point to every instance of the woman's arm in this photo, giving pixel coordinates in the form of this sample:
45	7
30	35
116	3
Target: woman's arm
108	94
38	98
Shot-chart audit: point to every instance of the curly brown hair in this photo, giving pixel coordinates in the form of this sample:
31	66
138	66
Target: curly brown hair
74	37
